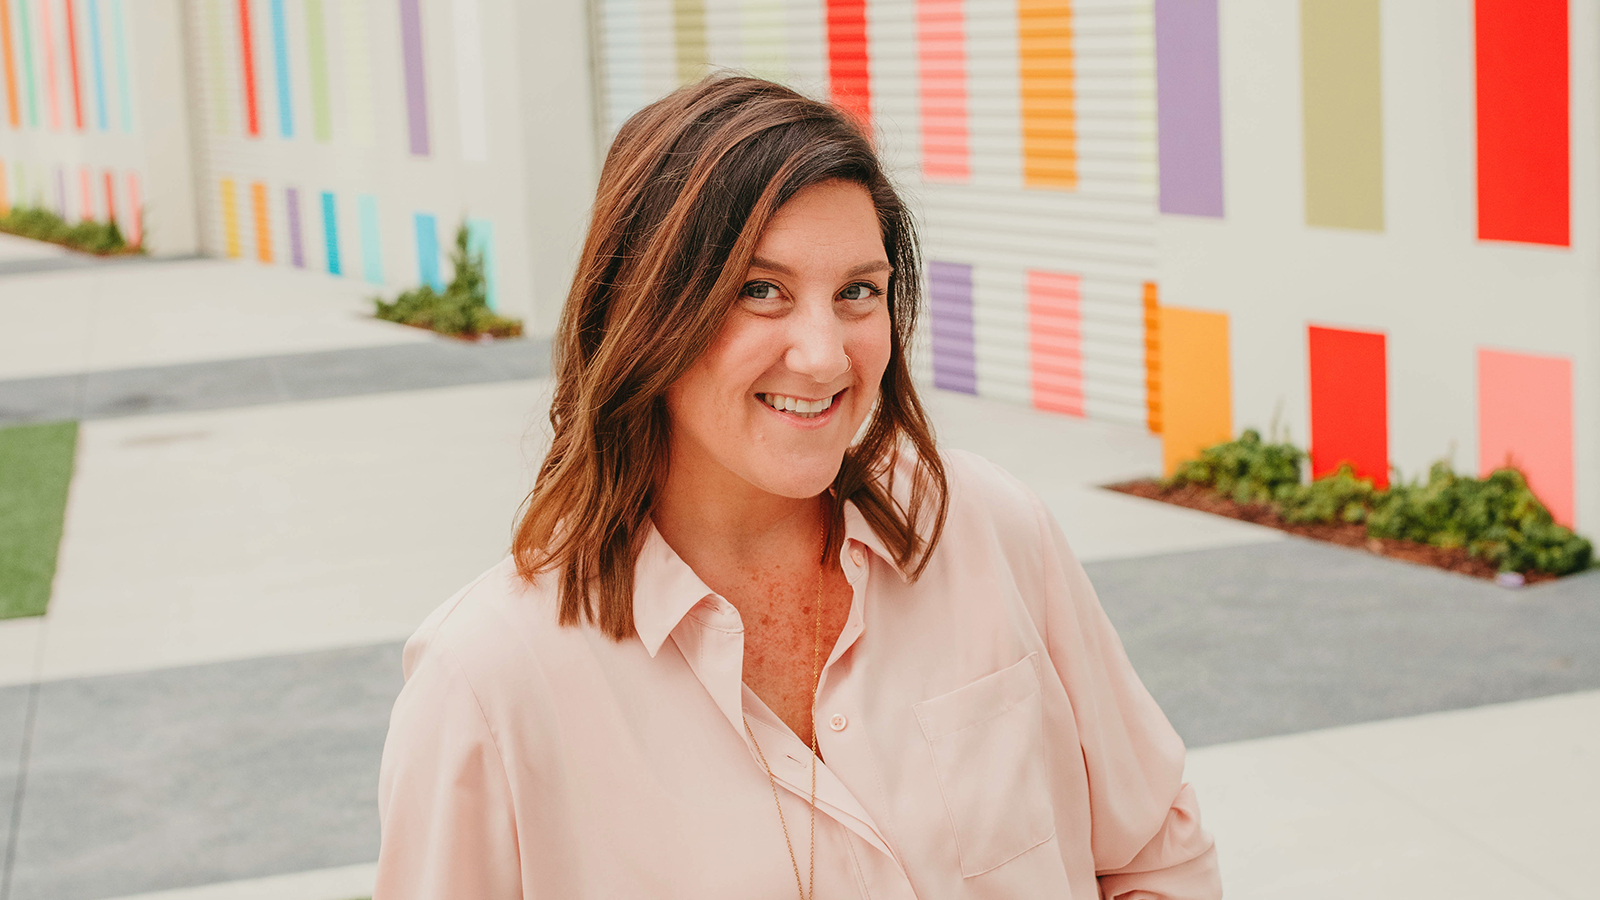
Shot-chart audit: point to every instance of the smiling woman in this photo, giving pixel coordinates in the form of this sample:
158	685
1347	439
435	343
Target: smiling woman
744	532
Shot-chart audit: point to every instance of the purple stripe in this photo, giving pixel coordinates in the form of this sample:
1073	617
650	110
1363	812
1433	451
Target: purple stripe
296	255
416	83
1188	107
955	358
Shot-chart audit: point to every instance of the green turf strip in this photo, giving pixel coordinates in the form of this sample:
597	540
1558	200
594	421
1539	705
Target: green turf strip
35	468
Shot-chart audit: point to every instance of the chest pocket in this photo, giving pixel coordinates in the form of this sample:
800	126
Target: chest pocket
987	741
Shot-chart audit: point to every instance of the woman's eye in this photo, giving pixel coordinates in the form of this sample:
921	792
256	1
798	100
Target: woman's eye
859	291
761	290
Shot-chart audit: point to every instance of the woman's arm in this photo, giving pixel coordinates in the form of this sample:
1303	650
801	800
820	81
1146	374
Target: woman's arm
1145	821
444	802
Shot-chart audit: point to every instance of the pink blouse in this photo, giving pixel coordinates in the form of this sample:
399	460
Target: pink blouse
984	737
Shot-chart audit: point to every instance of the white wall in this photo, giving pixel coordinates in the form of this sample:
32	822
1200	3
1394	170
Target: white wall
1426	281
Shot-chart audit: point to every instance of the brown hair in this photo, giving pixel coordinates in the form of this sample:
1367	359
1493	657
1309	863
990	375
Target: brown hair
689	184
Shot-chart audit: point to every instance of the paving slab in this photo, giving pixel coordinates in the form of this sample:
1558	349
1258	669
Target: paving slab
204	536
13	734
253	381
197	775
1246	642
106	317
1489	803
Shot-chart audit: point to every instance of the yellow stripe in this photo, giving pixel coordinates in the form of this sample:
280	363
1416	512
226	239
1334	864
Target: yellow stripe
230	219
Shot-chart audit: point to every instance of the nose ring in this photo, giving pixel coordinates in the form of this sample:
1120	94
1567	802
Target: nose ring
847	362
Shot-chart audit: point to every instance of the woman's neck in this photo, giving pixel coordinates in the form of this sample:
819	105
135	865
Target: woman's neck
717	523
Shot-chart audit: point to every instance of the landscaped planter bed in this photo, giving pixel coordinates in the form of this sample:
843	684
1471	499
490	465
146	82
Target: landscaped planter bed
1454	559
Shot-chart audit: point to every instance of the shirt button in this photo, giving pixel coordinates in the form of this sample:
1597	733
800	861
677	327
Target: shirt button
859	557
838	722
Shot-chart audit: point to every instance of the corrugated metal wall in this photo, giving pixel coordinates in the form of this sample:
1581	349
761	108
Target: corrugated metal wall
1024	131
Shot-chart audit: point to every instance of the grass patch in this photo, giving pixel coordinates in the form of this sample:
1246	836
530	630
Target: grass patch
35	469
99	238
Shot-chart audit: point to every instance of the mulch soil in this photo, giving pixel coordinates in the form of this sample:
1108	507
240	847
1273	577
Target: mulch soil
1455	559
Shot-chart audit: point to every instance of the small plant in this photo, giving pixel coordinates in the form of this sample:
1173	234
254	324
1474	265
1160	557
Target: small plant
1340	497
461	309
101	238
1247	470
1496	518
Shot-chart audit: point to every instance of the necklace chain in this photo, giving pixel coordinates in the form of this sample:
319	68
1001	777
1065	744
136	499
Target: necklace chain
806	891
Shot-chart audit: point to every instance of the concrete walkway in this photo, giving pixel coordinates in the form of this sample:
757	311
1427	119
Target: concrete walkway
199	715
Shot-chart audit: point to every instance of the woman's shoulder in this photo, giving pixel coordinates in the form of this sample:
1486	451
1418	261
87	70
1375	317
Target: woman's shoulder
489	622
983	492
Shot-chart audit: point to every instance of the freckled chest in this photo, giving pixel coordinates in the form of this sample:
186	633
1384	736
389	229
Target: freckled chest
779	640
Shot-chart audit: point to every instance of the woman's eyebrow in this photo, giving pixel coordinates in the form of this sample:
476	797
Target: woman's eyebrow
878	265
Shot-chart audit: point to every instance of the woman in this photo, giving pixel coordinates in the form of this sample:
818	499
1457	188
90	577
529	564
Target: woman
757	637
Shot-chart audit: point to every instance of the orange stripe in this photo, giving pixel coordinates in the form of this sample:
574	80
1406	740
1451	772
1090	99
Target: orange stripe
12	107
258	203
1049	115
1152	357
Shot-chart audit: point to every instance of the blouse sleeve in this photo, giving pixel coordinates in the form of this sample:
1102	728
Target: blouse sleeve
444	802
1145	822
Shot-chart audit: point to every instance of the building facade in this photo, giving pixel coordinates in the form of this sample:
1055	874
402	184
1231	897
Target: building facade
1368	224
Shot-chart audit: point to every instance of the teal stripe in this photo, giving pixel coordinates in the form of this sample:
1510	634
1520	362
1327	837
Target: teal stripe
330	232
280	49
371	263
99	64
27	63
119	44
428	251
480	242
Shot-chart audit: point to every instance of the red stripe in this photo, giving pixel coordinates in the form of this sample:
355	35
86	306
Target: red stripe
247	59
1523	141
849	78
111	198
72	63
1349	403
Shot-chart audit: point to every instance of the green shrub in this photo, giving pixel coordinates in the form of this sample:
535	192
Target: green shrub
1496	518
462	308
43	225
1247	470
1340	497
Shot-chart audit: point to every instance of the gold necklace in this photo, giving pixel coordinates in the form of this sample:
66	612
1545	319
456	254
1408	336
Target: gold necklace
816	674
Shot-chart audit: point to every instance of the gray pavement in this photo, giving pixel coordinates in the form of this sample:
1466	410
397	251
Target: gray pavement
228	383
236	770
203	774
1295	635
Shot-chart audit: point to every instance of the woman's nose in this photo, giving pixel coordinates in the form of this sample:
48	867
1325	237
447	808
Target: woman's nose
816	347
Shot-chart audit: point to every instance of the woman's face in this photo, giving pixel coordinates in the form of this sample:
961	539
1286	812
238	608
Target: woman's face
775	401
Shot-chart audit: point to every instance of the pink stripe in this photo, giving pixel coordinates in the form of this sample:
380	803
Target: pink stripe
942	65
85	183
1055	341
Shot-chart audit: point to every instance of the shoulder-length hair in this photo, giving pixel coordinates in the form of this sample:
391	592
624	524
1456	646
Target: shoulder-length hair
689	184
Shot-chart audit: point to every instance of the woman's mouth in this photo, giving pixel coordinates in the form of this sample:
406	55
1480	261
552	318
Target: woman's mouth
799	407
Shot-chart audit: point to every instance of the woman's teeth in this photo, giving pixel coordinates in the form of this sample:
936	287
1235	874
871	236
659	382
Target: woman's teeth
805	409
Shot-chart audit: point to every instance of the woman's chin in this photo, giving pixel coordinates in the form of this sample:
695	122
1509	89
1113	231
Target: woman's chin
800	485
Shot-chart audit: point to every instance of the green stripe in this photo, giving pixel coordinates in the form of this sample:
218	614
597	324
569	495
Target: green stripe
1342	96
317	50
35	469
27	64
216	74
689	39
